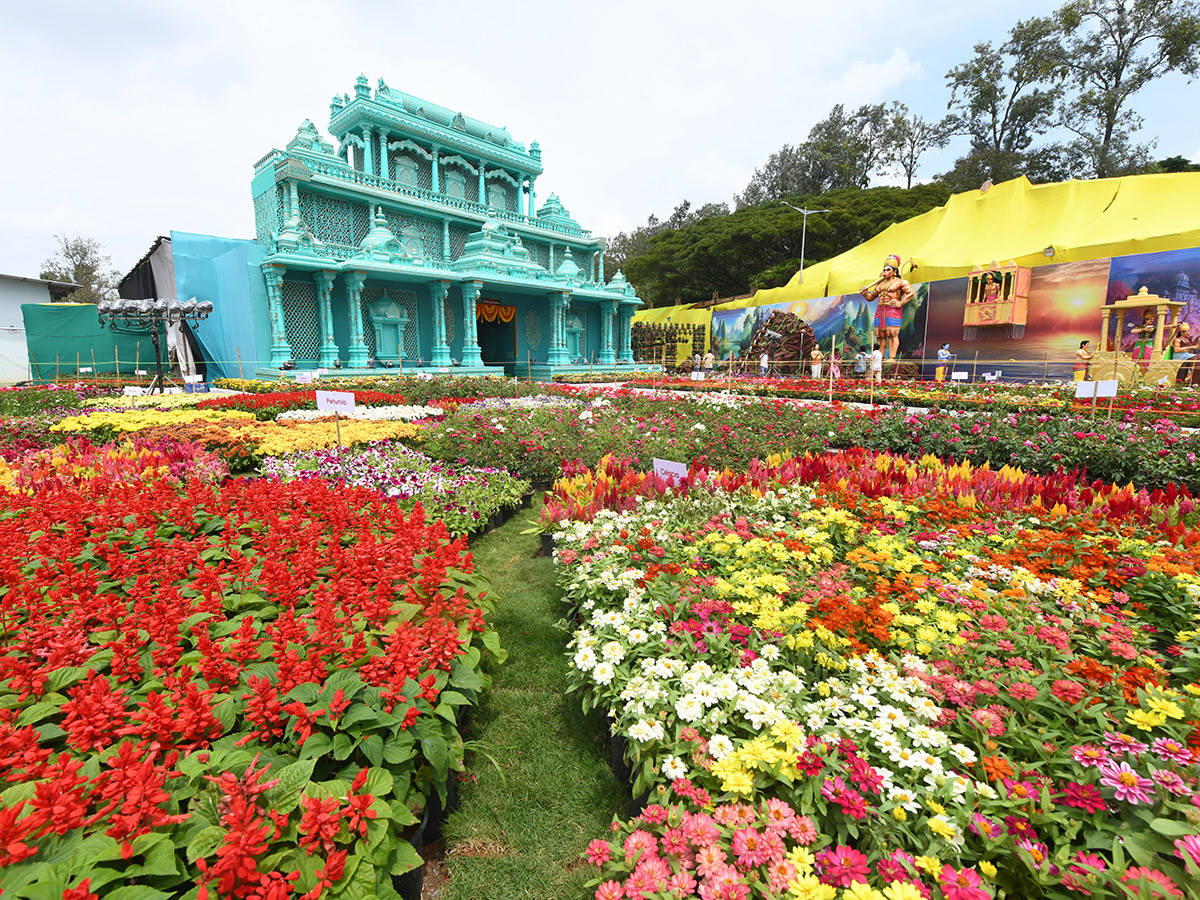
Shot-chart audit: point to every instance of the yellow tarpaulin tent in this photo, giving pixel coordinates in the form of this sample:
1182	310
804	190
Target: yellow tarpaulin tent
1036	225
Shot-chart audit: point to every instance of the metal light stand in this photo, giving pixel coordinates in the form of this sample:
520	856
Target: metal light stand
152	316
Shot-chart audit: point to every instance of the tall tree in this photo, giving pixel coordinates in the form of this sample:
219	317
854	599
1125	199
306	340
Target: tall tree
913	137
82	261
625	246
842	150
1003	99
1109	50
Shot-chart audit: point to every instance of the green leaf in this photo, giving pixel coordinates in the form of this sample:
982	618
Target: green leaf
206	842
436	750
285	796
406	859
160	859
1172	828
343	745
136	892
373	749
36	712
65	677
318	744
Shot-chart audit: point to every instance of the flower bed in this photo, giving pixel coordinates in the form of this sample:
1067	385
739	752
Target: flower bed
79	460
859	674
267	406
722	431
252	688
464	498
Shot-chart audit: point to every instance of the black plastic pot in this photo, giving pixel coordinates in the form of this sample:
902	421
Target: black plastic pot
547	545
410	884
527	501
439	811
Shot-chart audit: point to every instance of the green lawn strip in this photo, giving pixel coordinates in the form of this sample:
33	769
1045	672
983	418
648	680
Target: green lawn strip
525	820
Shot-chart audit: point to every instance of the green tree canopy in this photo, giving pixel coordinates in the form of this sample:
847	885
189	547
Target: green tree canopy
759	246
82	261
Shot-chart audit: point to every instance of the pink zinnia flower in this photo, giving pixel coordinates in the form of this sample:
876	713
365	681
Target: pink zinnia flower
684	883
994	623
1022	690
642	842
598	852
1036	849
1020	790
781	872
778	814
802	830
709	859
1188	849
842	866
750	848
610	890
1154	877
1129	785
985	827
1088	755
1170	780
1084	872
1169	748
1117	743
1069	692
962	884
1122	650
673	842
700	829
1082	796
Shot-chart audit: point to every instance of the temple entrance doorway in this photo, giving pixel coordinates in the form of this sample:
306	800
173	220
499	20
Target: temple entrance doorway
497	328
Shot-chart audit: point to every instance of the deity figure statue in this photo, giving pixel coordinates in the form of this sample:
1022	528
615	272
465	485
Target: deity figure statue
991	287
893	293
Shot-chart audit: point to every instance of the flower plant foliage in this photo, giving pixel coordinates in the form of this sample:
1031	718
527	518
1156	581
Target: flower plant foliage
236	690
859	676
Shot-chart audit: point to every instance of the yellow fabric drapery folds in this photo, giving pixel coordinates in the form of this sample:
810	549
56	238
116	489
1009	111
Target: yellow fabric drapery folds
490	312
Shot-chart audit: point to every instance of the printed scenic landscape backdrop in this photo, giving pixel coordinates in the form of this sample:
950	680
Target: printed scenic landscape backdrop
1064	308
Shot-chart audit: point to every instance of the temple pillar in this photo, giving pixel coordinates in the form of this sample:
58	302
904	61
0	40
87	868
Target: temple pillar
368	151
329	348
437	181
608	355
358	348
437	297
482	183
1160	330
559	304
624	337
471	355
520	204
600	265
383	153
281	350
1104	313
446	240
531	196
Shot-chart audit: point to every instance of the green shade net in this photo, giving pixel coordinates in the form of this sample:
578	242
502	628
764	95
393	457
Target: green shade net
65	337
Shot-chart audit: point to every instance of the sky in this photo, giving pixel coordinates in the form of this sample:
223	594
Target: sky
127	120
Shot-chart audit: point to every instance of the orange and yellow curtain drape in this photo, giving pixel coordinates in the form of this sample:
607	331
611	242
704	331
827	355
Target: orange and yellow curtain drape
490	312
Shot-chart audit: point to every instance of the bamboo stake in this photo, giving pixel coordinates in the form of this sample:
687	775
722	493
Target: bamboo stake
117	363
871	368
78	364
975	366
137	363
1046	366
241	377
95	372
57	363
33	368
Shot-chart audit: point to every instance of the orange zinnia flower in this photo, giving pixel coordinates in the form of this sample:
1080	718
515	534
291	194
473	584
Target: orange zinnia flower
996	767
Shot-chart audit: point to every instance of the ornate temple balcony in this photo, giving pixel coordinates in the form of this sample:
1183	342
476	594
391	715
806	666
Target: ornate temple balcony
340	172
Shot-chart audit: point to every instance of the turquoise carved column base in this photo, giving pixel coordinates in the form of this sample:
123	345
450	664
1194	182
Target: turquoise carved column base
471	354
437	297
359	354
281	350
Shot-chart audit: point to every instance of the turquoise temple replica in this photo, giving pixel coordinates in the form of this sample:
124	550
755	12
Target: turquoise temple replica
411	242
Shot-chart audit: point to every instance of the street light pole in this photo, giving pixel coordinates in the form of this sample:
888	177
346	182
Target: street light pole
803	231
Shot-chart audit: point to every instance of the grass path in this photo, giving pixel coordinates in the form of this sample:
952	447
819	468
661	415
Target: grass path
524	822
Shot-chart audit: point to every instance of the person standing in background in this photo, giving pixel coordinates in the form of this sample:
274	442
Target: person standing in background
1083	362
